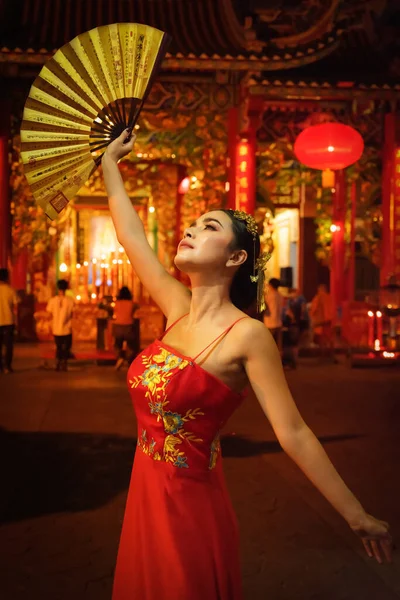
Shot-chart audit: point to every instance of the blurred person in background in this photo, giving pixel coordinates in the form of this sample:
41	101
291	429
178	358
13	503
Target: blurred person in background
321	312
123	329
8	303
273	312
61	308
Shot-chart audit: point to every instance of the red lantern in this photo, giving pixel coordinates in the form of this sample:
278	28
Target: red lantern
329	146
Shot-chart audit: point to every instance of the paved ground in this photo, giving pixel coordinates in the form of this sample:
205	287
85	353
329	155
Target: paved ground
66	446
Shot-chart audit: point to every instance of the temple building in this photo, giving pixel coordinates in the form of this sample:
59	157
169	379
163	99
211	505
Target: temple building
239	83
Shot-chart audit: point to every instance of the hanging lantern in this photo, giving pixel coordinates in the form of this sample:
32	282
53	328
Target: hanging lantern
330	146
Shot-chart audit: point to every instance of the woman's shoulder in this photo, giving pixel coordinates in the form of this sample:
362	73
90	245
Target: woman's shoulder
250	333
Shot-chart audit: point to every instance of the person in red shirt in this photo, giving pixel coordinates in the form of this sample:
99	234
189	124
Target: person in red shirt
123	329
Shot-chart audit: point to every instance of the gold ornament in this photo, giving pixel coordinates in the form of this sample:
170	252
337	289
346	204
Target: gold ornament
260	264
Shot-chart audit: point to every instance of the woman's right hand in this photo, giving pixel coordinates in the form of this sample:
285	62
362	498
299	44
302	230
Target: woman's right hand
121	146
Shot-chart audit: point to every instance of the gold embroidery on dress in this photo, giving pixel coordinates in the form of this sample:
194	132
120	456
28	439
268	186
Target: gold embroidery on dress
160	368
214	452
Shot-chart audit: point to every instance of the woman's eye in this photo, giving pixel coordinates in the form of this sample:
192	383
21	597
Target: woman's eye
210	227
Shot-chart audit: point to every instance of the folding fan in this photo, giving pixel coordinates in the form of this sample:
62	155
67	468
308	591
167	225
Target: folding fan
85	96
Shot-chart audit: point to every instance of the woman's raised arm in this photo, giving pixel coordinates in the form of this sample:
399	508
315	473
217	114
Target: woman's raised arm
166	291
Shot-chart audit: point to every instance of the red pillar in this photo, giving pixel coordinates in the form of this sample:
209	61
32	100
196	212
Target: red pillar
180	192
5	219
20	270
233	132
391	199
338	245
351	275
252	174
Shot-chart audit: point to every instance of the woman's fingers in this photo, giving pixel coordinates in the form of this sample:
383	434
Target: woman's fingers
387	547
377	551
368	548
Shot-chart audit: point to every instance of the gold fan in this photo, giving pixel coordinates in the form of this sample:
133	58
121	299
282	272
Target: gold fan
84	97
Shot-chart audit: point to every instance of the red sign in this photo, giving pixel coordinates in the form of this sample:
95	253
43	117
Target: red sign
245	175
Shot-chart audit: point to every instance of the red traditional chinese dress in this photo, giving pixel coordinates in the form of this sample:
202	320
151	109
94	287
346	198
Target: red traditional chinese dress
179	538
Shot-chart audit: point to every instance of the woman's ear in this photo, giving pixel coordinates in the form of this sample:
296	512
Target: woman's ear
237	258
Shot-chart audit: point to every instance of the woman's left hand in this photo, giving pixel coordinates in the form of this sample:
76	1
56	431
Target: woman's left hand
375	537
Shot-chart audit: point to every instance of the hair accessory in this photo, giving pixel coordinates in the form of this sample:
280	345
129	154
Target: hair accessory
260	264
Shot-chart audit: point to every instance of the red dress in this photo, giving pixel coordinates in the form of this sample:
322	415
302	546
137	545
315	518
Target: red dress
179	538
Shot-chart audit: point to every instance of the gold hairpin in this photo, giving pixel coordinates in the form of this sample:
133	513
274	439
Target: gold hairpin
260	264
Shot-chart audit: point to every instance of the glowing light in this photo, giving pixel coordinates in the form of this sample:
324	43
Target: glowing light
85	264
94	260
128	262
52	231
334	228
184	185
78	266
370	313
120	261
331	148
120	249
378	314
94	296
98	120
173	155
388	354
194	178
63	268
78	297
333	190
115	261
377	345
137	126
107	265
103	257
227	186
152	209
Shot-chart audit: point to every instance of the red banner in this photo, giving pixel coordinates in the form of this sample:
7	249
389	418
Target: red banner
245	176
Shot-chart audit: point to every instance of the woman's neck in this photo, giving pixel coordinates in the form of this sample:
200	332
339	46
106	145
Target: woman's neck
207	300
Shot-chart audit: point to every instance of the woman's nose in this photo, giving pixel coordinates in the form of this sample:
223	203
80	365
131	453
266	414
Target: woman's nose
188	232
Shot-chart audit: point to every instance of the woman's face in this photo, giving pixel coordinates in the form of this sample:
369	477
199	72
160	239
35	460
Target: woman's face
207	244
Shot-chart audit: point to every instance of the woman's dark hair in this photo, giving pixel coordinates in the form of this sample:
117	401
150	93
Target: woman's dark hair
124	294
243	292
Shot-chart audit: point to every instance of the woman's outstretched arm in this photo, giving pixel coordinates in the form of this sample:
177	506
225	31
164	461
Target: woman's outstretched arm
166	291
263	366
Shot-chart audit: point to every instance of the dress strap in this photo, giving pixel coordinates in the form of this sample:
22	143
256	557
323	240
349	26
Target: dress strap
227	330
173	325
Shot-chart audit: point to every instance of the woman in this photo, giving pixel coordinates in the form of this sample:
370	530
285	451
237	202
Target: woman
179	538
123	330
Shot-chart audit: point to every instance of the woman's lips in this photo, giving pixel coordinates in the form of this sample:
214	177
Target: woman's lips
185	245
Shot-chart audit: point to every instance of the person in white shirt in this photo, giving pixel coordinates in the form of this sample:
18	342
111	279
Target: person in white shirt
8	301
273	311
61	308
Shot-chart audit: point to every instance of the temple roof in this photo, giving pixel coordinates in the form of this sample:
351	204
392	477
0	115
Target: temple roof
329	38
201	30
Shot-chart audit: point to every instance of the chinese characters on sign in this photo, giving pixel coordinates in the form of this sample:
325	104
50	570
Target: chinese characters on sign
395	216
245	176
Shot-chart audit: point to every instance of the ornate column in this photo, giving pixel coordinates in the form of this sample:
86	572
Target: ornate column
5	218
337	277
391	199
246	176
351	274
233	132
